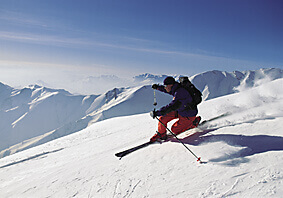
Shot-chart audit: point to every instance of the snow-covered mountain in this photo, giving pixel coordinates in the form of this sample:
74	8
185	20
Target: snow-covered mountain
35	114
219	83
34	110
216	83
243	155
149	78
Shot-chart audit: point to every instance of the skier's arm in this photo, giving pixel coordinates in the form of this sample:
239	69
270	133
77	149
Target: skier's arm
159	88
172	106
162	89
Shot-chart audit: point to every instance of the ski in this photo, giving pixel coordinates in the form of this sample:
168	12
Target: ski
215	118
128	151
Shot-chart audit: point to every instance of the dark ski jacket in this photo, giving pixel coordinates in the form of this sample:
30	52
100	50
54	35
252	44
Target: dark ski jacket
181	99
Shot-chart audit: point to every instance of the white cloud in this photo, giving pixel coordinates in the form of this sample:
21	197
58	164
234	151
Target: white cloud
85	43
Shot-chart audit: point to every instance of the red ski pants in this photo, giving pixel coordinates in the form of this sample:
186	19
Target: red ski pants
181	125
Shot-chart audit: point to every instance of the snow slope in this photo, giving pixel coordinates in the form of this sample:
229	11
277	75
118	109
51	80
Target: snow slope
242	151
35	114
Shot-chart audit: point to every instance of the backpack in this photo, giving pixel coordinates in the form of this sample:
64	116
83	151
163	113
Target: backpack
193	91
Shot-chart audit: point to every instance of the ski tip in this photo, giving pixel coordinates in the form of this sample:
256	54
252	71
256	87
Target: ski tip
119	156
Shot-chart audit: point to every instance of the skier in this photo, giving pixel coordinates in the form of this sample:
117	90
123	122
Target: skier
178	108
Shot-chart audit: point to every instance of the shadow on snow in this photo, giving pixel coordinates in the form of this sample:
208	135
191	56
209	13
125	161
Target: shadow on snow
31	158
252	145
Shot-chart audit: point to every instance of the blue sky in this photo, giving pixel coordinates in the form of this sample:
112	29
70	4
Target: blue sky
128	37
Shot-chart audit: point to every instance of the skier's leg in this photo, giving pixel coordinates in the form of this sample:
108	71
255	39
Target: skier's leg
162	129
165	119
183	124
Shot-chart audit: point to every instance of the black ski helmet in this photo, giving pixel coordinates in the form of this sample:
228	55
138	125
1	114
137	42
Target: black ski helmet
169	80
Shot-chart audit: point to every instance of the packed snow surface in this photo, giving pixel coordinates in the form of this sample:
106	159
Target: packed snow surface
242	154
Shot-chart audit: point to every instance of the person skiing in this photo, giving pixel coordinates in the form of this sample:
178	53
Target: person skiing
178	108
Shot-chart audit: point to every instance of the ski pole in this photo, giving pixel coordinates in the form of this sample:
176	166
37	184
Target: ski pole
198	158
154	98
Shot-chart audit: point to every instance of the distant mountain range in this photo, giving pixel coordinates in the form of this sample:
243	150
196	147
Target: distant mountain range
35	114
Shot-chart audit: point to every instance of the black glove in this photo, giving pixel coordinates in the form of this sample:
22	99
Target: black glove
154	86
153	114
